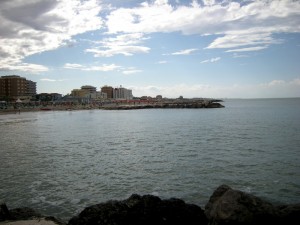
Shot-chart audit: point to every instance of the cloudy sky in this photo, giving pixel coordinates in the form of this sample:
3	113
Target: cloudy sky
193	48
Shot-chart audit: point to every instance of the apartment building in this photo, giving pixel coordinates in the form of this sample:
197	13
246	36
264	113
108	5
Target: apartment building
122	93
13	87
108	90
31	88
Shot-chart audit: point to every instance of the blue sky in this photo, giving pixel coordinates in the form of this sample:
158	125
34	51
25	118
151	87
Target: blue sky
193	48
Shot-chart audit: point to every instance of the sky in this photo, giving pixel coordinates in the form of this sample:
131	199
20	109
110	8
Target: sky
189	48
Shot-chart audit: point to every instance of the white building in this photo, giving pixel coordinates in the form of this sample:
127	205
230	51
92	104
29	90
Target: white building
122	93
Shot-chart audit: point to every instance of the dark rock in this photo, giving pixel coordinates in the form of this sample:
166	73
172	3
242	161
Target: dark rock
24	214
4	212
289	214
214	105
18	213
228	206
141	210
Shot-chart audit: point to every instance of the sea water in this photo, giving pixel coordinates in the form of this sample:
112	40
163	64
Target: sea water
59	162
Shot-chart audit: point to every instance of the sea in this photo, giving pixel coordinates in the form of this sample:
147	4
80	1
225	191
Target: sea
59	162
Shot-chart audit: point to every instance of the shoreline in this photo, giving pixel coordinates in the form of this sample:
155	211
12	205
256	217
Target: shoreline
114	106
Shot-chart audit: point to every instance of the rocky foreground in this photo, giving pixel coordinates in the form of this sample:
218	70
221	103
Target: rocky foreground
226	206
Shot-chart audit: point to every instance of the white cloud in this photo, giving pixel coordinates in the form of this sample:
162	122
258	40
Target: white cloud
118	50
189	91
125	44
48	80
130	70
240	24
124	39
208	2
249	49
272	89
25	67
212	60
236	55
243	38
51	80
133	71
279	88
185	51
276	83
34	26
162	62
73	66
103	68
282	83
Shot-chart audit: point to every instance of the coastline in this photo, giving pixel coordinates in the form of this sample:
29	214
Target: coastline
195	104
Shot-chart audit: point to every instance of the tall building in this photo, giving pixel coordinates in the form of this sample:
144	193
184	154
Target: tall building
108	90
122	93
14	87
31	88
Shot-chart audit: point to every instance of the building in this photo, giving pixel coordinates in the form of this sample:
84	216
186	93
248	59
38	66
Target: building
13	87
101	95
87	94
122	93
86	91
31	88
47	97
108	90
80	93
89	88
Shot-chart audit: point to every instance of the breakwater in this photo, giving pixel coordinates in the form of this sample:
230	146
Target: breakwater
226	206
170	104
112	105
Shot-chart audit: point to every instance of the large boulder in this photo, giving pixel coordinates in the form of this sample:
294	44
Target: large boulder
26	214
17	214
141	210
228	206
4	212
289	214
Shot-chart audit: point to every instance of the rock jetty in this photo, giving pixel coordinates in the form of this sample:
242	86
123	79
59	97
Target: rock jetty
168	104
226	206
112	105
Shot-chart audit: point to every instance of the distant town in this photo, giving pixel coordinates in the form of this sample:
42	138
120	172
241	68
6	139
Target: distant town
15	89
